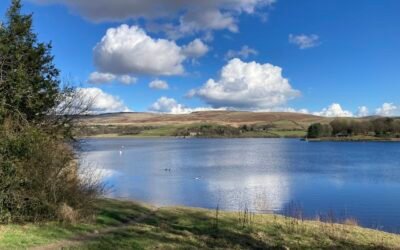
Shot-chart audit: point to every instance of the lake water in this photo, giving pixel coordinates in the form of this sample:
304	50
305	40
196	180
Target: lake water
338	180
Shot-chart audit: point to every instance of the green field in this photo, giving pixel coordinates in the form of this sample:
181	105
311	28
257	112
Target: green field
130	225
160	131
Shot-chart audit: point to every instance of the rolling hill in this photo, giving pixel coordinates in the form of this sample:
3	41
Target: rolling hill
232	118
206	123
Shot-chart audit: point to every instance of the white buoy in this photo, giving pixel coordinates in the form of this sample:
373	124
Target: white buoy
120	152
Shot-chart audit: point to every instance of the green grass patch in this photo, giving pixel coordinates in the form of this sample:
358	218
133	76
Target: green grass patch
160	131
189	228
287	125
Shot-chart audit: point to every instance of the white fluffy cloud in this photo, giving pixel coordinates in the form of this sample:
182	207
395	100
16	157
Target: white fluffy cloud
243	53
127	79
171	106
334	110
192	15
210	19
101	102
168	105
126	51
387	109
98	78
129	50
195	49
245	85
292	110
304	41
158	84
362	111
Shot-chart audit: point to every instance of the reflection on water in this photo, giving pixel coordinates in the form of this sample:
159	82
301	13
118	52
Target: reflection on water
360	180
264	193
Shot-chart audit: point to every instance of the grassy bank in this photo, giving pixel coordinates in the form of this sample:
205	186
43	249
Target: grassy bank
129	225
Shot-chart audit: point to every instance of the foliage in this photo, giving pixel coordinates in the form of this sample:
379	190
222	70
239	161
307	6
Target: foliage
317	130
379	127
39	177
385	126
28	78
208	130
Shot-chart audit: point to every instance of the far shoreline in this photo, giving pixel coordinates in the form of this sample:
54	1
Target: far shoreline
327	139
351	139
115	136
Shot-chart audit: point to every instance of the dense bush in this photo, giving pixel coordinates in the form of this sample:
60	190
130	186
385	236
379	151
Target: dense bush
319	130
39	175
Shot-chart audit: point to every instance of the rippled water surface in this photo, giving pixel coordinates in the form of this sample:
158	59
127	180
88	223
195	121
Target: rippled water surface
358	180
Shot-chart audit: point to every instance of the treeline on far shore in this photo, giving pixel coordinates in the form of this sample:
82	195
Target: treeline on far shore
192	130
383	127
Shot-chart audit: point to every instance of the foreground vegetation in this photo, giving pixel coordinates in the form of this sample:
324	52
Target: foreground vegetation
39	176
129	225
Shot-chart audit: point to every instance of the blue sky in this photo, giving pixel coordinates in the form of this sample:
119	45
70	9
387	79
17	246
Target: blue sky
335	55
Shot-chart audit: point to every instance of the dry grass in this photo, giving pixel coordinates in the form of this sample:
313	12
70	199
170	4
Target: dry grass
67	214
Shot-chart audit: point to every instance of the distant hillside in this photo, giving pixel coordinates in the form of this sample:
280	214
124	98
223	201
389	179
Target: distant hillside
204	124
232	118
200	124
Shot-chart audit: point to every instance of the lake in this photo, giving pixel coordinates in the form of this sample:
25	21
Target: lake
328	179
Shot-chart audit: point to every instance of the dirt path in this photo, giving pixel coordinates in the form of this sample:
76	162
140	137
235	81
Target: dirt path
82	238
